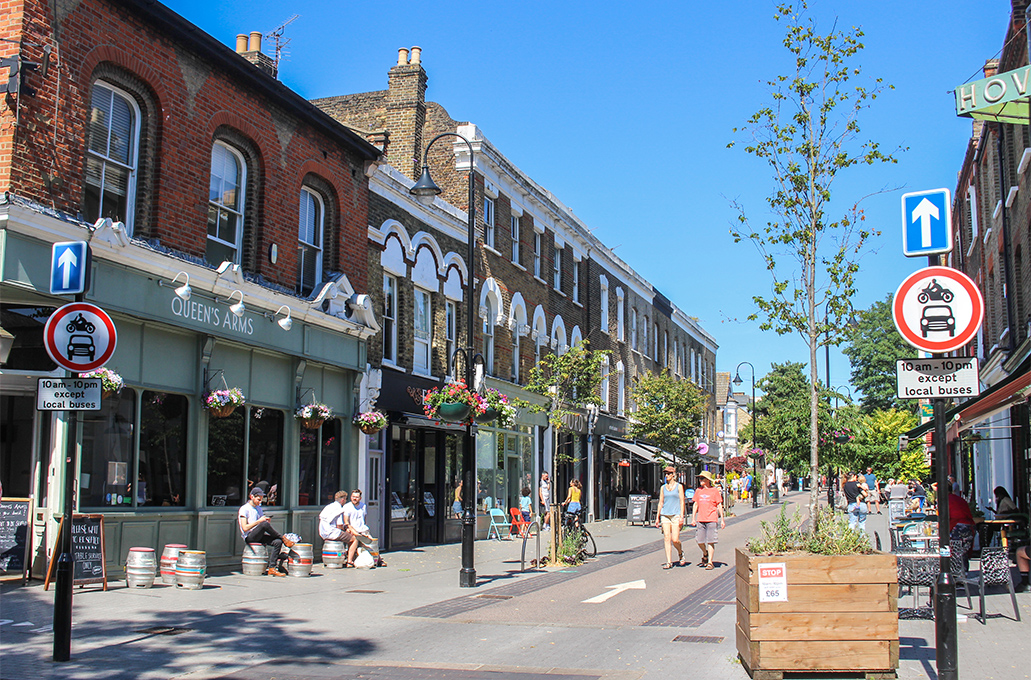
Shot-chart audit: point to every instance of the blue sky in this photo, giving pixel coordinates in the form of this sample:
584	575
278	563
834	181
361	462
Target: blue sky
624	111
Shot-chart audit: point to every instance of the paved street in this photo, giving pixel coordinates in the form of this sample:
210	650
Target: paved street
411	621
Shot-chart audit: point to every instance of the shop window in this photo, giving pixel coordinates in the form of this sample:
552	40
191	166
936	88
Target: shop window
225	204
112	140
107	477
162	463
265	453
225	460
309	242
319	475
452	472
26	325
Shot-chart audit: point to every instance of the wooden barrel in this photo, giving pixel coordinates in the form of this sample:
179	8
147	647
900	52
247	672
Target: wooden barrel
334	553
169	556
255	559
190	570
140	568
300	560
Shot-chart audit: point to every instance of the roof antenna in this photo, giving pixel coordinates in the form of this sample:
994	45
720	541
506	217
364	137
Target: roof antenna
276	34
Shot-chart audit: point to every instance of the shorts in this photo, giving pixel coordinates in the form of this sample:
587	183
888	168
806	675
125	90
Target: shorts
671	521
574	506
456	507
707	533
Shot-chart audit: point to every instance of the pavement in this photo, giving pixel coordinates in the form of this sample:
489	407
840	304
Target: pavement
411	621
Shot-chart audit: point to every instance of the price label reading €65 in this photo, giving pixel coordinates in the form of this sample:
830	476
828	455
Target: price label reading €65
773	582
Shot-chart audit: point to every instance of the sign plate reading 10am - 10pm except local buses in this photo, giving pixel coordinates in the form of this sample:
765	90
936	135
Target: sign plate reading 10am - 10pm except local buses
937	378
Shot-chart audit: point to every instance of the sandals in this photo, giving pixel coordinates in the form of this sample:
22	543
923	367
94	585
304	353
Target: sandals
349	565
682	563
667	565
709	566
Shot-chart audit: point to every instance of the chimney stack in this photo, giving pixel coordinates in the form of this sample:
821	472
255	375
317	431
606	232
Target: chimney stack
406	107
416	56
249	47
402	56
241	43
254	44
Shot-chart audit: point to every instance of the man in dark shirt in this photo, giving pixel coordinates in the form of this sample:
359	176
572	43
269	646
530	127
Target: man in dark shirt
855	494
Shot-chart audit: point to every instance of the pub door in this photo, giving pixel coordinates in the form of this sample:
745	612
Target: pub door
418	505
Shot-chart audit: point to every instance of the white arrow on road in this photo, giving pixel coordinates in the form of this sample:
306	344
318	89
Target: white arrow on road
616	590
924	211
67	261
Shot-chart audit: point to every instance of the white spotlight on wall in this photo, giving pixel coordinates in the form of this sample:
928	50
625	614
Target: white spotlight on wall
184	291
239	308
286	323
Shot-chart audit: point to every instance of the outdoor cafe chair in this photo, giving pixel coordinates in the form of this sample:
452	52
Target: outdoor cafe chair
995	571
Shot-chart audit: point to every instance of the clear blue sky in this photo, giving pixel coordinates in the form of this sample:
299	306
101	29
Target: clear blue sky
624	110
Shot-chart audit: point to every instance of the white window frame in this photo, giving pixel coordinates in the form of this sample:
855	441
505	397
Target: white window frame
422	347
604	304
556	269
620	389
389	319
620	307
576	279
665	349
644	338
488	338
633	328
515	239
488	221
241	201
537	241
304	246
605	383
450	333
134	162
515	355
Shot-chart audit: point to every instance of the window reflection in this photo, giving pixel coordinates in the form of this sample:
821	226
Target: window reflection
106	477
162	464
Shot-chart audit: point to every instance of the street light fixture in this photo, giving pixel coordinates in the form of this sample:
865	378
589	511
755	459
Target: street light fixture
755	471
425	191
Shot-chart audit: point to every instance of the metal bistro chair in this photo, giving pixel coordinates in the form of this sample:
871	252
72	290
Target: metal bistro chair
896	509
995	571
915	570
498	521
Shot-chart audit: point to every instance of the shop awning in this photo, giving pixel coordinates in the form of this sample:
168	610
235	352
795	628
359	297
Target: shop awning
636	449
1011	390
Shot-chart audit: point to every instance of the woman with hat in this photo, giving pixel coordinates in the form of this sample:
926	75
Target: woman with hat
708	509
671	516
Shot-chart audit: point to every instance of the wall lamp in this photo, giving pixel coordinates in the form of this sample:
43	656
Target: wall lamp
239	308
286	323
184	291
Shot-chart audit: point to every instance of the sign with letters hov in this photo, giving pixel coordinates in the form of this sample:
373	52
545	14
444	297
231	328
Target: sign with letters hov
938	378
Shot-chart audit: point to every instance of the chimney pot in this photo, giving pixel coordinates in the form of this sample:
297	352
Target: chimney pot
416	56
254	45
241	43
402	57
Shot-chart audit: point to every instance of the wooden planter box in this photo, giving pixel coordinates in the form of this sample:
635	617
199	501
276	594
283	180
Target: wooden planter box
841	615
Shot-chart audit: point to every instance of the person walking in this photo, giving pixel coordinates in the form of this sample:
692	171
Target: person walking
671	517
874	497
708	510
544	495
855	494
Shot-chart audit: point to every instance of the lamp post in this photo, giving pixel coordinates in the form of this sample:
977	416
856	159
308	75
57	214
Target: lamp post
831	480
755	471
425	190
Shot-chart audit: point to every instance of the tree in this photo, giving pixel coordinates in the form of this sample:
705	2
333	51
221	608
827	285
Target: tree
669	414
873	347
807	135
568	380
782	424
877	445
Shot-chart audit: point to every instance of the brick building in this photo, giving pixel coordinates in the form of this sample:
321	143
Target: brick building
228	224
543	283
989	441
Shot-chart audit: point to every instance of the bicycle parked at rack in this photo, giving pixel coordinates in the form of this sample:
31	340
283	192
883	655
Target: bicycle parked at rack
571	522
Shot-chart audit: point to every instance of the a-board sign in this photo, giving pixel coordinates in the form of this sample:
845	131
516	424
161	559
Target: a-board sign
87	549
15	521
937	378
637	509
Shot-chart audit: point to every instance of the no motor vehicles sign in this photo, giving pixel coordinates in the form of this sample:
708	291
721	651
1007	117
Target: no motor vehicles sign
938	309
80	337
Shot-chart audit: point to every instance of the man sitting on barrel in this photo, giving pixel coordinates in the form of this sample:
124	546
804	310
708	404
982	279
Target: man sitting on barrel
256	527
355	513
332	526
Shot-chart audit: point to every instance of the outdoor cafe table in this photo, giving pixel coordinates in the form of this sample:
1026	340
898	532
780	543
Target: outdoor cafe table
921	541
1003	525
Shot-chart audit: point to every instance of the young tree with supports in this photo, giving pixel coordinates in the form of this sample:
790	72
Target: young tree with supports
808	134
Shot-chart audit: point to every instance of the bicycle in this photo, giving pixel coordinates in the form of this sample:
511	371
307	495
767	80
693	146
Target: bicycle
571	522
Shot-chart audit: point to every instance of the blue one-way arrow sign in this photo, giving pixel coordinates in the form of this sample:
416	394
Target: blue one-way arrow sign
69	268
926	223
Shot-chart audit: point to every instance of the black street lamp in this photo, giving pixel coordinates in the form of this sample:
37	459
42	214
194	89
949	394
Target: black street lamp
425	190
755	470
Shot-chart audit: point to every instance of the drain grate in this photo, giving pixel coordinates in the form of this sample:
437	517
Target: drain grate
488	596
706	639
720	602
164	630
367	592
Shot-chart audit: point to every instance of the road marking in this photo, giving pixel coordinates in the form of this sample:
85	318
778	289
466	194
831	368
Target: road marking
615	590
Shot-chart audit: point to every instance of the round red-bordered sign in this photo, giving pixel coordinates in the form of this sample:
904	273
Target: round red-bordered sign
80	337
938	309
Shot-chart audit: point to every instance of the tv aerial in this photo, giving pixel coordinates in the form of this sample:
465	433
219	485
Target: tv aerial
276	35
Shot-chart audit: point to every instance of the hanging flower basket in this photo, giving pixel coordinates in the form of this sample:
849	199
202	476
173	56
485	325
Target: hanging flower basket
110	382
370	422
313	415
222	403
453	403
488	416
499	408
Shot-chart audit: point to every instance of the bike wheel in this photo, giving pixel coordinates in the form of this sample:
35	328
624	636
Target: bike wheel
589	549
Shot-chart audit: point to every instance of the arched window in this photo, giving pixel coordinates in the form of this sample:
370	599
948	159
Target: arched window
488	337
113	136
620	389
309	241
225	204
605	382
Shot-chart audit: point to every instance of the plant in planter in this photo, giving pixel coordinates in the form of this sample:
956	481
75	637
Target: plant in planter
453	403
499	408
370	422
313	415
110	382
222	403
840	608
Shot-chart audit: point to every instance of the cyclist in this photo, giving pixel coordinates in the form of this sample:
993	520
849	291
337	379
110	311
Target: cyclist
573	496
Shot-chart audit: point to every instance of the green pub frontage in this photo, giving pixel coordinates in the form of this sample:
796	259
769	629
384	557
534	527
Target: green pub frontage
157	464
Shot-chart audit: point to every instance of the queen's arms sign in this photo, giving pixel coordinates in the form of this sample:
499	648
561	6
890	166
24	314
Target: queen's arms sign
1001	98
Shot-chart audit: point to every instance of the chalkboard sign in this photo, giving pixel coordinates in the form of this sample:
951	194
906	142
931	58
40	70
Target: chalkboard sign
637	510
87	549
15	518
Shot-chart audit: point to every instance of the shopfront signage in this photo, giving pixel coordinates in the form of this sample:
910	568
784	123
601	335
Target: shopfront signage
68	394
212	315
1002	97
80	337
938	309
937	378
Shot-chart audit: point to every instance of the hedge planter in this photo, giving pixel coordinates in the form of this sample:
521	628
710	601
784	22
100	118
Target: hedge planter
488	416
457	412
841	615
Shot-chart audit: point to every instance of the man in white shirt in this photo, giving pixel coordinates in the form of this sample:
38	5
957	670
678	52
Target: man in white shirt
256	527
354	515
544	494
331	520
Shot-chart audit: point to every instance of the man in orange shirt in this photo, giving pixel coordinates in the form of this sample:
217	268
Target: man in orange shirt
708	510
